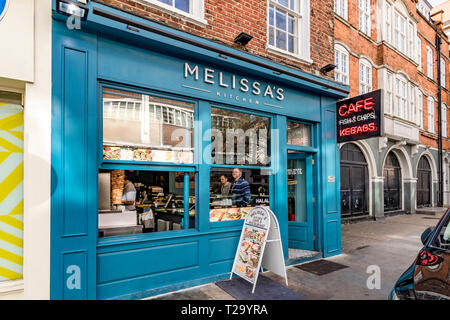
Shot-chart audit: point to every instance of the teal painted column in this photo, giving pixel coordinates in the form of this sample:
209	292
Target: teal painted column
279	160
378	197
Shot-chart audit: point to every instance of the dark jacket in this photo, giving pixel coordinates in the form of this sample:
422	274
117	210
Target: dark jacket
241	192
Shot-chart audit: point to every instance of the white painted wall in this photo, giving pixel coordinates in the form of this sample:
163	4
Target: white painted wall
37	148
17	37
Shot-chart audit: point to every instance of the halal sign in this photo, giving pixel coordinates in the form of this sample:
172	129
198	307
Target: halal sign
360	117
3	8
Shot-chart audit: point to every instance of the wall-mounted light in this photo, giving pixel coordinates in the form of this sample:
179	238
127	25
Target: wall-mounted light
327	68
243	38
71	8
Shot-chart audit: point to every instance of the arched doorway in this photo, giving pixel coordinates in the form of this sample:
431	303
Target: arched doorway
423	183
354	182
392	183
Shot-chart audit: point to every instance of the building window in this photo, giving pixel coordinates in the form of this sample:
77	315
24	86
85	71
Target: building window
388	93
288	27
444	120
429	62
400	32
442	72
189	8
341	8
139	127
420	109
341	60
388	25
419	54
400	97
410	110
365	76
431	114
411	40
239	138
364	16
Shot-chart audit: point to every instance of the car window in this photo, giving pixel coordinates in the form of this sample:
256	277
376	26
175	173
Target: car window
442	239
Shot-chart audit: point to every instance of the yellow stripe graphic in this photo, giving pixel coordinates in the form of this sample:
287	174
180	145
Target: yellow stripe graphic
12	121
14	258
9	146
18	209
11	221
17	134
11	182
9	274
11	239
4	155
11	228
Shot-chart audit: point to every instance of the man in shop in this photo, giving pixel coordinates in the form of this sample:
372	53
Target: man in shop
129	195
225	185
240	189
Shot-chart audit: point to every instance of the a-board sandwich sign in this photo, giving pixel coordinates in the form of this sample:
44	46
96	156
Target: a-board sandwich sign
260	228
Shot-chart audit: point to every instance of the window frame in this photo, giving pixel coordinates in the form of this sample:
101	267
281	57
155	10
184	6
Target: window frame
270	169
419	101
341	8
430	63
106	164
389	92
419	53
431	115
301	14
444	120
365	63
364	17
401	98
442	75
342	53
196	10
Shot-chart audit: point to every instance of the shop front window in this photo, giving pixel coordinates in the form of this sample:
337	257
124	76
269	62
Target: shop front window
298	134
234	191
139	127
239	138
140	201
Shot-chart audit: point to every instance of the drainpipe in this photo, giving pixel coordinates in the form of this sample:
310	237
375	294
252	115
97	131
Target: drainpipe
440	165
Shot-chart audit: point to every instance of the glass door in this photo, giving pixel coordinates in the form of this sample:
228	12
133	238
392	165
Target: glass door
300	200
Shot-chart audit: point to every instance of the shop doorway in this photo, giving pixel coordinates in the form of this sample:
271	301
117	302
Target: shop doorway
423	183
354	182
300	200
392	183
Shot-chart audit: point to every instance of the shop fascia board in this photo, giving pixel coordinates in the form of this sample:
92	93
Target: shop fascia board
150	35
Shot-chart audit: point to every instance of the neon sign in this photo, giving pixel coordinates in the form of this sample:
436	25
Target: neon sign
360	117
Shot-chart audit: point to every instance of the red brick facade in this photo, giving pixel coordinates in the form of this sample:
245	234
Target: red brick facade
381	54
227	18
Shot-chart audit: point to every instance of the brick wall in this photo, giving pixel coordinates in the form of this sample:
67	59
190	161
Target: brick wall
227	18
380	53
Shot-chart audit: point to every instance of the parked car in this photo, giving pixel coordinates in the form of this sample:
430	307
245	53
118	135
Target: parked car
429	276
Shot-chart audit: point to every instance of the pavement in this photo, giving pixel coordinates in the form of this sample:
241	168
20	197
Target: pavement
388	245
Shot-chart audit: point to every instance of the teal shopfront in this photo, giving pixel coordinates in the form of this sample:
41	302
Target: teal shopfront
185	121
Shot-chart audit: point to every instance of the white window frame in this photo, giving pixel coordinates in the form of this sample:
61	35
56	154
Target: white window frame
388	22
365	72
364	16
411	38
400	32
341	60
430	108
302	32
442	72
341	8
420	109
389	92
401	96
444	120
411	100
430	62
196	14
419	54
